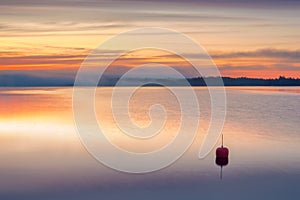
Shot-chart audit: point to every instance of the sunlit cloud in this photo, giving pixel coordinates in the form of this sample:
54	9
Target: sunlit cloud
271	53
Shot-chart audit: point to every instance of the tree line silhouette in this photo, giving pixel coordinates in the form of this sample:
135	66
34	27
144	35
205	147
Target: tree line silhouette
244	81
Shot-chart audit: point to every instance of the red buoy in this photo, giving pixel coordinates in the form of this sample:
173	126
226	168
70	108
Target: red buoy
222	154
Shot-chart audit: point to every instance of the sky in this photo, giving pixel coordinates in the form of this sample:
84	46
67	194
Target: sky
50	39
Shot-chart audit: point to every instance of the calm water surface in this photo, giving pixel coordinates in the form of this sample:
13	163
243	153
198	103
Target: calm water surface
42	157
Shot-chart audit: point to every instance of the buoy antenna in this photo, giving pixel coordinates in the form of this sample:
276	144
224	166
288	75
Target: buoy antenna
222	140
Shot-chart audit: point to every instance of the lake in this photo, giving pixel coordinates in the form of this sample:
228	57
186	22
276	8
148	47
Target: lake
42	156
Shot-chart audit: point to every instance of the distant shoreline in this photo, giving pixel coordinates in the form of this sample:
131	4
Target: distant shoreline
244	81
199	82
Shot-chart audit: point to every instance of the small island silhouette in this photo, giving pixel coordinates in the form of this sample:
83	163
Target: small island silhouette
201	81
244	81
213	81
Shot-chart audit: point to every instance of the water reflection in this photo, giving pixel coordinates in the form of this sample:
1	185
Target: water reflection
41	154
